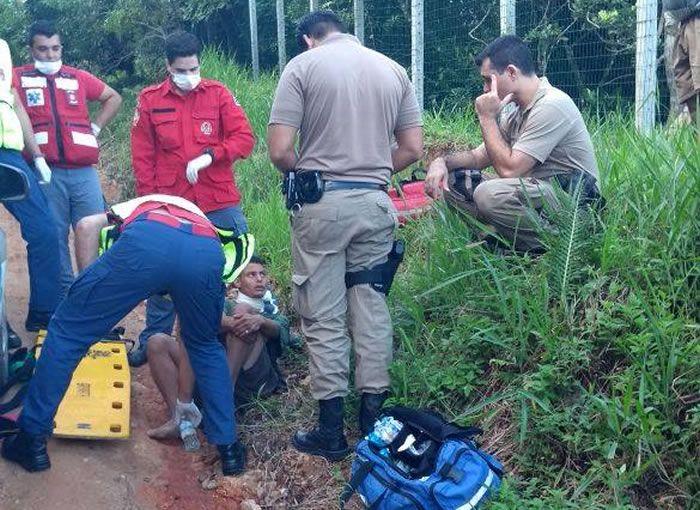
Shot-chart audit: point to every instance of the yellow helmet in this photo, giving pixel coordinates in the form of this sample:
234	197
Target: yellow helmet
238	250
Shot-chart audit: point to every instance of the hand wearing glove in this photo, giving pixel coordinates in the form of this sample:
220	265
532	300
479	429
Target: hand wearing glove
187	411
197	164
95	129
43	168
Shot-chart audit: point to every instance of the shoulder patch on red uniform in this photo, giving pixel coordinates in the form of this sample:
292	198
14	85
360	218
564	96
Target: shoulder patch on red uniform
150	89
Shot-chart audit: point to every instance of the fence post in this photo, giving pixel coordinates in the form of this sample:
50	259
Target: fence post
359	16
507	17
313	5
417	38
281	37
645	72
254	38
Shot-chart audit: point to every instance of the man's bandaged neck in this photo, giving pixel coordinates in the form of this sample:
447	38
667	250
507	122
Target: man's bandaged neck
256	303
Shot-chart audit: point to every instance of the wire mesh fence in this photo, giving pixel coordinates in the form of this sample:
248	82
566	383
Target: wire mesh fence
588	48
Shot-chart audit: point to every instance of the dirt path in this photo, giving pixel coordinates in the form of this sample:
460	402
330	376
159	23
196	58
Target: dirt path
144	474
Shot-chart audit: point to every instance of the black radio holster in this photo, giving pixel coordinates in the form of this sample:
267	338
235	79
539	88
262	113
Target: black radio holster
466	181
302	188
380	277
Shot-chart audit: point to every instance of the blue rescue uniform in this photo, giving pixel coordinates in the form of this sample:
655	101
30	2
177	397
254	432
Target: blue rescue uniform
148	258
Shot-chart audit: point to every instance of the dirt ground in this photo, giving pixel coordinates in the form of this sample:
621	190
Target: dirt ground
140	473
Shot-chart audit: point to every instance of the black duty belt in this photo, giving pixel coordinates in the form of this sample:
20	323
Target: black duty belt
336	185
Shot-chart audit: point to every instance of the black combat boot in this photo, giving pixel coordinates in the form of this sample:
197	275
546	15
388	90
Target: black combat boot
232	458
27	451
370	405
327	439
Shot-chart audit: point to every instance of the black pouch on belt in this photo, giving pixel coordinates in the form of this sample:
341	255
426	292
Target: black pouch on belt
302	187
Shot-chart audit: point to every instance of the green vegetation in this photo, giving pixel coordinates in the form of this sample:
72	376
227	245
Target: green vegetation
586	46
582	365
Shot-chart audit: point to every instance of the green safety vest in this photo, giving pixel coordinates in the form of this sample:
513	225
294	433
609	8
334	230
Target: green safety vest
10	128
238	250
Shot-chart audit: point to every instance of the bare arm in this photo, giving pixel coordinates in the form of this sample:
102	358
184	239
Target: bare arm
110	101
243	324
506	161
27	131
280	145
436	179
410	148
476	159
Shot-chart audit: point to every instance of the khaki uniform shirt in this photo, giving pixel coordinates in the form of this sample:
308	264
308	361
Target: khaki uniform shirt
551	130
347	101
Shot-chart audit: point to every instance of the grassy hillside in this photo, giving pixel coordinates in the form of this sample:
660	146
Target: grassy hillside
583	365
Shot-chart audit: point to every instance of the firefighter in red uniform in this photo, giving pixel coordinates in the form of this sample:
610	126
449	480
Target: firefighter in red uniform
56	99
186	134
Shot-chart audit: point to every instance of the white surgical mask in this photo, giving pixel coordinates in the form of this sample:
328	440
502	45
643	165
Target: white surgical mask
48	67
186	82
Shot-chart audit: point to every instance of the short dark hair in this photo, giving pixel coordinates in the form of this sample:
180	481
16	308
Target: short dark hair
256	259
41	27
181	44
318	24
507	50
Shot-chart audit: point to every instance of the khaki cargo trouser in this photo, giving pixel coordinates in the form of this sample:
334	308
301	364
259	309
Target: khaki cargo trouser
514	207
686	62
347	230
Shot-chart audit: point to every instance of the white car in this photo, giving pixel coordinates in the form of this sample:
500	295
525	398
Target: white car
13	186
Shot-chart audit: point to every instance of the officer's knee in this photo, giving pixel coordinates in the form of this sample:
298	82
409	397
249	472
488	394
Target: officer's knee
486	198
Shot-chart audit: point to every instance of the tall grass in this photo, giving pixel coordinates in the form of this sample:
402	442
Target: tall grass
582	365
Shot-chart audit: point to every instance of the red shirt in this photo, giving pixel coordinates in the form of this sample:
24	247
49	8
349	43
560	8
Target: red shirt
57	106
169	130
172	215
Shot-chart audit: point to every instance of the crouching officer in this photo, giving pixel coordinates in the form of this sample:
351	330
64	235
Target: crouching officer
165	245
347	103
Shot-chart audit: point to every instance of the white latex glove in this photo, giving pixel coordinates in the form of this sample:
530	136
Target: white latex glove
194	166
43	168
95	129
187	411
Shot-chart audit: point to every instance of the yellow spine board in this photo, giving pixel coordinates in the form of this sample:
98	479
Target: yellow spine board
97	402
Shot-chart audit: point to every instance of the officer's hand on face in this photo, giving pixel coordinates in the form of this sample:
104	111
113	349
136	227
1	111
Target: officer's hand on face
197	164
489	105
436	178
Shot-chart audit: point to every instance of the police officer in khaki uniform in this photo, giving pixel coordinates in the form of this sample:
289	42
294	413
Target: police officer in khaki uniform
686	51
348	104
542	140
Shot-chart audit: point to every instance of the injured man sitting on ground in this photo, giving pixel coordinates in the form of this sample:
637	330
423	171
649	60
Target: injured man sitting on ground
253	332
